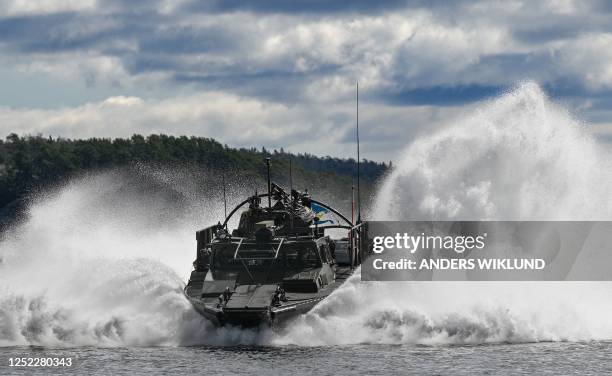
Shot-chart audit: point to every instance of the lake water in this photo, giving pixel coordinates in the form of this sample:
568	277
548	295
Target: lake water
590	358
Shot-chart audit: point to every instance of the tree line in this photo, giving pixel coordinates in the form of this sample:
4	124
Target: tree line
32	162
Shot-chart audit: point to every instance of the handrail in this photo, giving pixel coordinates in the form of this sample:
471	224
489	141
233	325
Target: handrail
239	206
266	195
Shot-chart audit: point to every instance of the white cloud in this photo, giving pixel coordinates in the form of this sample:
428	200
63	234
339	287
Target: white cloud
402	48
90	67
224	116
236	121
123	101
589	56
21	7
271	77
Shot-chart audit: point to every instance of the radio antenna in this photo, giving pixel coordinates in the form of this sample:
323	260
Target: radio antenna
290	180
224	195
269	185
358	162
291	194
352	205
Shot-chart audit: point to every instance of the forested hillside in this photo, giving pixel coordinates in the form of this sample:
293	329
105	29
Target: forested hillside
32	162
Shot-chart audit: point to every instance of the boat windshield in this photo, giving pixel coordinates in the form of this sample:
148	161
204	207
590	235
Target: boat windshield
290	256
301	257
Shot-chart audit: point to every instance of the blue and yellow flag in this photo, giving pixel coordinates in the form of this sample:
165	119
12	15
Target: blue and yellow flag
322	214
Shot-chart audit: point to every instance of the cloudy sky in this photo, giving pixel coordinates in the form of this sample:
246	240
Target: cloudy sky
282	73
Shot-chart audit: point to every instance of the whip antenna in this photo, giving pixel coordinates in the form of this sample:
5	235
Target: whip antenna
224	196
290	179
269	186
358	162
352	205
291	194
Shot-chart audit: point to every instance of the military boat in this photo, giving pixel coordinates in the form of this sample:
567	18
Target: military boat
278	263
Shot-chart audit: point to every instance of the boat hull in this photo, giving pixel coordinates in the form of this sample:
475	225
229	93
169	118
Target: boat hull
242	309
253	317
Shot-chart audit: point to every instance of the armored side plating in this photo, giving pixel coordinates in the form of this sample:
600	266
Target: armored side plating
279	262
